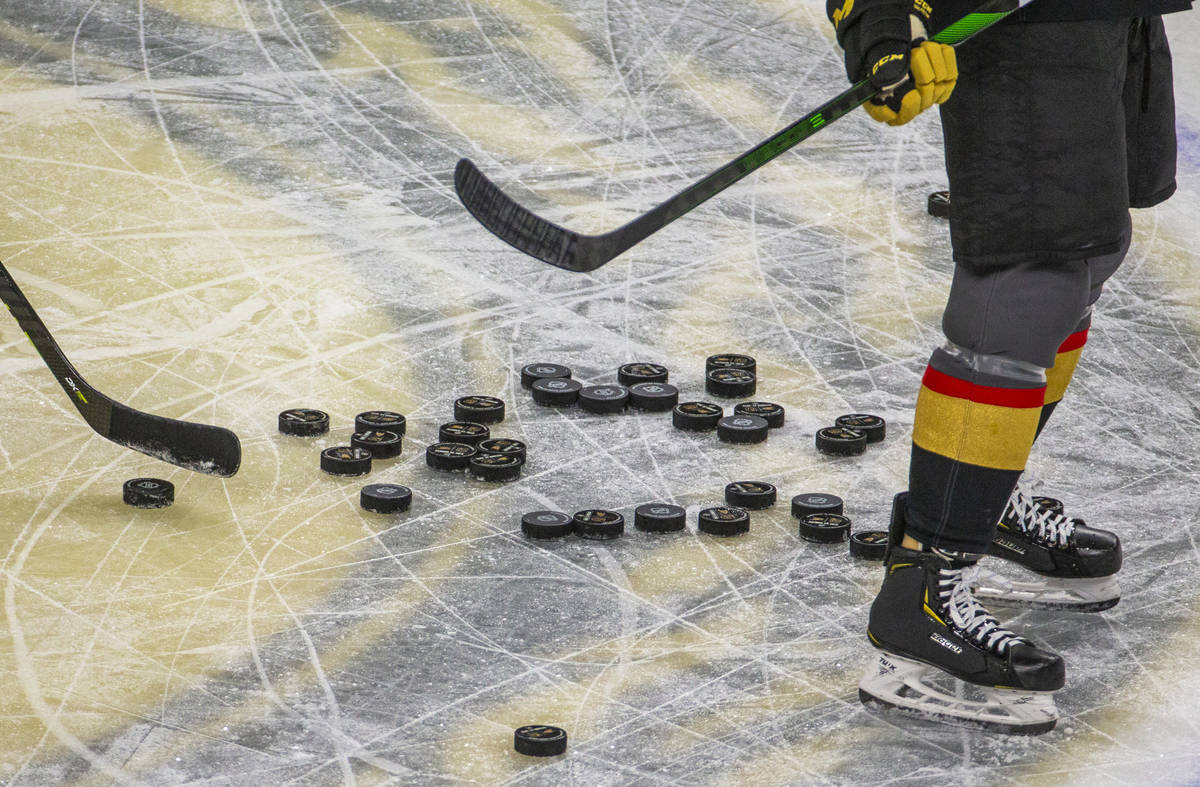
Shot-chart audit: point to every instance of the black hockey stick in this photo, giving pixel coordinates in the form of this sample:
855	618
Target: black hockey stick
528	232
198	447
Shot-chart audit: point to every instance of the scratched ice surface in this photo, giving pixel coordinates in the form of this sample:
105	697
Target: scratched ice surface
224	208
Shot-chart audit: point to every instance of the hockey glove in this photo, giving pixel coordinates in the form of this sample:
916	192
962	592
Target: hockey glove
886	44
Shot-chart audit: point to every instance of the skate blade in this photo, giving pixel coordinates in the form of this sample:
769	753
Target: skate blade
1077	595
894	683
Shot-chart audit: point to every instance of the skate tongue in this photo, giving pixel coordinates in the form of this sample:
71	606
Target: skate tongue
957	560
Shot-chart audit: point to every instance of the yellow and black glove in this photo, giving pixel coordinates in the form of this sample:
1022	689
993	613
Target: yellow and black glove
885	41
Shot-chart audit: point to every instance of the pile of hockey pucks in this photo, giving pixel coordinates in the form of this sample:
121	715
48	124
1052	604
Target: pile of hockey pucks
822	520
640	385
850	434
378	434
467	443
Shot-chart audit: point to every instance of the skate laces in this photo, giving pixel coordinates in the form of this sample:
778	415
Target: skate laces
1050	527
969	616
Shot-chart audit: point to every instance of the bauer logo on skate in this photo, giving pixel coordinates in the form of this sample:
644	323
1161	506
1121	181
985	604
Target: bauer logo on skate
1009	545
945	643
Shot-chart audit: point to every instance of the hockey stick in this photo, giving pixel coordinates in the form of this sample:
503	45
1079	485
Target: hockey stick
198	447
528	232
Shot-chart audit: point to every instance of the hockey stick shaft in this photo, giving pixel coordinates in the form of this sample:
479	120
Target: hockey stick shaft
199	447
524	230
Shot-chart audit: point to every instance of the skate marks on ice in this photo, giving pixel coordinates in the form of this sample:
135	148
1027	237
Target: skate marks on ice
226	209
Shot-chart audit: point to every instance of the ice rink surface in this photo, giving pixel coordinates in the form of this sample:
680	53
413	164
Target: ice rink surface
225	208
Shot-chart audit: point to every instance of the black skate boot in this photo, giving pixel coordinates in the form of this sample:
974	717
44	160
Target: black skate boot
1075	564
928	627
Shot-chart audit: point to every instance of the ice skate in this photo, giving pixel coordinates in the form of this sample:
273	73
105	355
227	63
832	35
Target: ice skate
934	637
1065	564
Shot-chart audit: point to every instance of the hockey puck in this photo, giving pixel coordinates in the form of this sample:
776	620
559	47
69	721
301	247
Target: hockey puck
869	544
148	493
723	521
346	460
816	503
874	427
634	373
603	398
938	204
494	467
479	409
385	498
742	429
841	441
463	432
556	391
502	445
598	524
547	524
1049	503
730	382
824	528
533	372
381	420
773	413
449	456
540	740
750	494
302	422
653	397
730	361
696	416
381	444
659	518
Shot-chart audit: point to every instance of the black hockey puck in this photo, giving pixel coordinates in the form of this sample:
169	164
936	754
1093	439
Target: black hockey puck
603	398
634	373
742	429
653	397
723	521
346	460
730	361
463	432
533	372
816	503
449	456
302	422
773	413
148	493
938	204
659	518
841	441
385	498
540	740
598	524
494	467
479	409
547	524
381	444
751	494
731	383
824	528
874	427
502	445
556	391
1049	503
869	544
697	416
381	420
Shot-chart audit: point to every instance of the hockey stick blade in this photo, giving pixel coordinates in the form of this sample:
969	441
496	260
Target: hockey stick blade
525	231
213	450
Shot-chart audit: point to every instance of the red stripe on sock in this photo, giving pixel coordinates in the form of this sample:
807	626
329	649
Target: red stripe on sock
1074	341
984	394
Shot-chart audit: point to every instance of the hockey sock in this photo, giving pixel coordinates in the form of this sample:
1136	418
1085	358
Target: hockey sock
1059	376
972	434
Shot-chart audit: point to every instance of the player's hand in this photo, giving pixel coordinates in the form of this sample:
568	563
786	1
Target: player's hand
886	44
